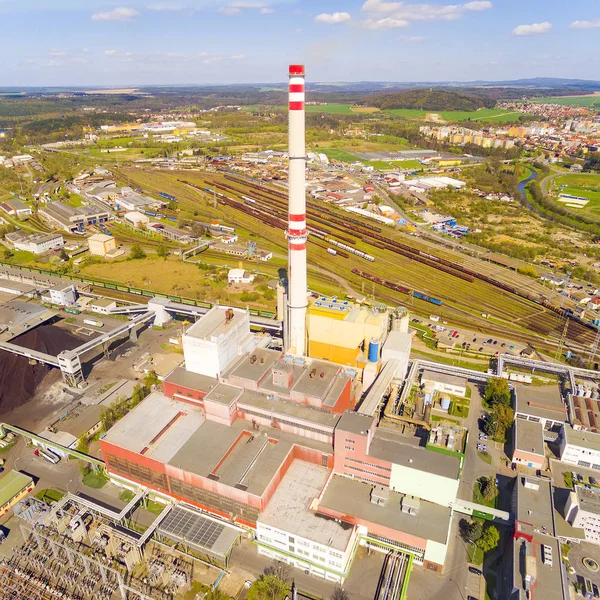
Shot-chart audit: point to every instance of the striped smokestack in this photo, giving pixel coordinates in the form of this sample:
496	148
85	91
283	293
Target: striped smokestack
297	288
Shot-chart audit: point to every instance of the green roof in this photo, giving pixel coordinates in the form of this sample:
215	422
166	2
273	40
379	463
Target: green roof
11	484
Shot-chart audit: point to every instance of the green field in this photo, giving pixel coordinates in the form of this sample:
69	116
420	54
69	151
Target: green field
589	101
483	114
585	186
382	165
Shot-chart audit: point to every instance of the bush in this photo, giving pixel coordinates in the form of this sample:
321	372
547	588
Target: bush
137	252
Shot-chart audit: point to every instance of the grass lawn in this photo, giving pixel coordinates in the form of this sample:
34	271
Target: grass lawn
584	186
485	457
95	480
475	554
391	165
50	495
459	410
450	360
341	155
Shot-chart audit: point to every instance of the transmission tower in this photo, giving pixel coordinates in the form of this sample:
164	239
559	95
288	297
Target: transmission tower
561	343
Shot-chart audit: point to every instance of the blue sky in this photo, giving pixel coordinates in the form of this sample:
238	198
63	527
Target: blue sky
136	42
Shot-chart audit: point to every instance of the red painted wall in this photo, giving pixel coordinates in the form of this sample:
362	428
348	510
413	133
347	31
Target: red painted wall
170	389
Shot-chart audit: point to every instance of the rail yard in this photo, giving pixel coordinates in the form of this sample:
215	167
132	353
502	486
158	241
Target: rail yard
465	286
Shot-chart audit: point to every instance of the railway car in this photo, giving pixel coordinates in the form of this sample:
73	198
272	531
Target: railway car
427	298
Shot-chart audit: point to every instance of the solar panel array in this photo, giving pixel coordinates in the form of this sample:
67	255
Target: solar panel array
192	527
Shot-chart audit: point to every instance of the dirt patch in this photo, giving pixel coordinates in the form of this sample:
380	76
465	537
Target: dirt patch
19	380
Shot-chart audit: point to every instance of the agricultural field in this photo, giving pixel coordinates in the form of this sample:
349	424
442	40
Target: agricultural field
582	185
591	101
483	114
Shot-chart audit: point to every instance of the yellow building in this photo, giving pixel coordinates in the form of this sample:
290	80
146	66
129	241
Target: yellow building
101	244
448	162
341	332
14	486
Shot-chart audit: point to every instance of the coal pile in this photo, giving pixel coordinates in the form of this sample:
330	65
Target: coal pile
18	379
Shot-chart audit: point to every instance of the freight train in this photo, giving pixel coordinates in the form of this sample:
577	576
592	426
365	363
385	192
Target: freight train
387	284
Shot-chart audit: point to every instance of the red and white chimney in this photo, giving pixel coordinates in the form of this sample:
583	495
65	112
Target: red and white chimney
297	285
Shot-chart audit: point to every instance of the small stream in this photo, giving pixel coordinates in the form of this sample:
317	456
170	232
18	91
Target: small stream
521	187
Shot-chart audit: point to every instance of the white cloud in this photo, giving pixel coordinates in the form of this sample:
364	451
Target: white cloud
386	23
118	14
56	53
118	54
478	5
534	29
333	18
413	39
585	25
236	7
238	57
401	11
166	7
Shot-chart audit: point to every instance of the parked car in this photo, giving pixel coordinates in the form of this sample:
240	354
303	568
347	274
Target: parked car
593	480
475	571
482	436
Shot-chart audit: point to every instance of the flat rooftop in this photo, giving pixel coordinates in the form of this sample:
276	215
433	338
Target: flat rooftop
223	394
583	438
255	365
389	446
529	436
289	508
535	506
443	378
239	456
354	422
353	497
11	484
316	380
589	500
280	407
213	323
546	582
156	427
544	401
196	381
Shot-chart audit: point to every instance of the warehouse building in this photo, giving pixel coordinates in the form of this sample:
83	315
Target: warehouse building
73	219
14	486
16	208
37	243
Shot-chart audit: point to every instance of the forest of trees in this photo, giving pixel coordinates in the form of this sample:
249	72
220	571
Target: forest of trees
429	100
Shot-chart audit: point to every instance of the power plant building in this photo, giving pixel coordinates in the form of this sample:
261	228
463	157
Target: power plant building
269	439
342	332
